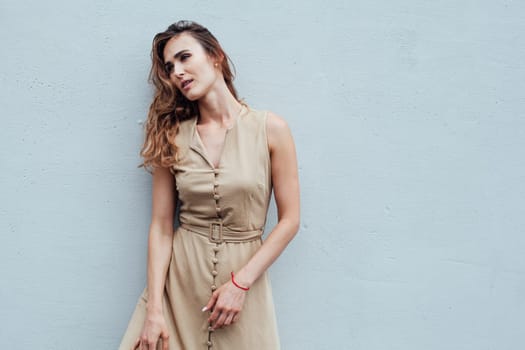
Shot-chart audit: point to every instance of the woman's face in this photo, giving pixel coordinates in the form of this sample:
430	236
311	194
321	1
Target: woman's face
189	67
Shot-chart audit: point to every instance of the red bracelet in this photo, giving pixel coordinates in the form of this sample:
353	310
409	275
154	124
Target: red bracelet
238	286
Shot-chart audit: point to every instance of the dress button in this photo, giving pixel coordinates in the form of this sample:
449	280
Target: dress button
216	196
215	185
215	260
218	209
209	343
215	249
215	273
213	287
210	329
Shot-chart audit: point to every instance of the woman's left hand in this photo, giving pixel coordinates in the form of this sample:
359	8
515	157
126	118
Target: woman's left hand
226	304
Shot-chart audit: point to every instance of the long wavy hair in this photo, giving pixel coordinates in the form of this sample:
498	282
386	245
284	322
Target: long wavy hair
170	106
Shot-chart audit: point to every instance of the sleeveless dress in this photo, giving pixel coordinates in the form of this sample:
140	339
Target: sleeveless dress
222	216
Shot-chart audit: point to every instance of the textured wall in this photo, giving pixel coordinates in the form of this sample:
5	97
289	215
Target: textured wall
408	120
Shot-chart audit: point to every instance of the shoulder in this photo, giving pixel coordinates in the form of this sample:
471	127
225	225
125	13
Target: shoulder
275	123
184	131
272	122
187	123
277	129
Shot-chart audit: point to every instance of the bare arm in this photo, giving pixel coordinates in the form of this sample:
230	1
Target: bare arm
227	301
286	191
159	253
160	235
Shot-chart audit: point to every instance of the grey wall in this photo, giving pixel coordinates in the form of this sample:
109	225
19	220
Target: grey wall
408	120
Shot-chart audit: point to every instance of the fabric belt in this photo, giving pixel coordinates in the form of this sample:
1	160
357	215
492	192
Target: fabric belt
217	233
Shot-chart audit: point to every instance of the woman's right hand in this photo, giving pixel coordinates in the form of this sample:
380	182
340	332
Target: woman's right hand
154	329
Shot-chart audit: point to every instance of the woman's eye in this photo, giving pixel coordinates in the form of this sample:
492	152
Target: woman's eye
184	57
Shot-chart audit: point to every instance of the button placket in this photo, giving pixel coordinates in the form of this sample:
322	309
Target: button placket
216	248
213	287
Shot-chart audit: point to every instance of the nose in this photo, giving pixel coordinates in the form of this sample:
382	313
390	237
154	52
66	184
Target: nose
178	70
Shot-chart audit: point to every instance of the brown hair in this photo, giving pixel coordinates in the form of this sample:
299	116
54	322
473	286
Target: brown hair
169	106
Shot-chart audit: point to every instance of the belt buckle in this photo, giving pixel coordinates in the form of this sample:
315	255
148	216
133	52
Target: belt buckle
215	235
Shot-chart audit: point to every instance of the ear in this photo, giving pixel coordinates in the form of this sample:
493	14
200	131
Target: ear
218	61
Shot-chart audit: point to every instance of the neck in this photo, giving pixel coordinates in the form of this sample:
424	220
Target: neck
219	106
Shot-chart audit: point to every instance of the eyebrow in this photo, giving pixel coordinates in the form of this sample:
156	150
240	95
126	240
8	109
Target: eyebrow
177	55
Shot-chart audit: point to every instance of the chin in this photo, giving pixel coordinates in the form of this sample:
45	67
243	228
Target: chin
193	96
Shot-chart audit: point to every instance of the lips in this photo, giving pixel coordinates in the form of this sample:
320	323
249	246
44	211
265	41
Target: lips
185	83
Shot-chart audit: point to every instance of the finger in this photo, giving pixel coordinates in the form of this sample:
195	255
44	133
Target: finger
165	339
211	302
153	344
220	320
236	317
214	315
137	344
229	319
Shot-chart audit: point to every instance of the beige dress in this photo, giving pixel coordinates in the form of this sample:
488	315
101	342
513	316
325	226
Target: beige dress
222	216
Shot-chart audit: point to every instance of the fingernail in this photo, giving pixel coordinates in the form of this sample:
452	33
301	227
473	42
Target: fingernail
204	308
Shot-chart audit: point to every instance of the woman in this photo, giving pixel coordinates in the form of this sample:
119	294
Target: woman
207	285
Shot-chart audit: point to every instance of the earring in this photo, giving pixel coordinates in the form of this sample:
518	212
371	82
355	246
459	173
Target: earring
216	64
